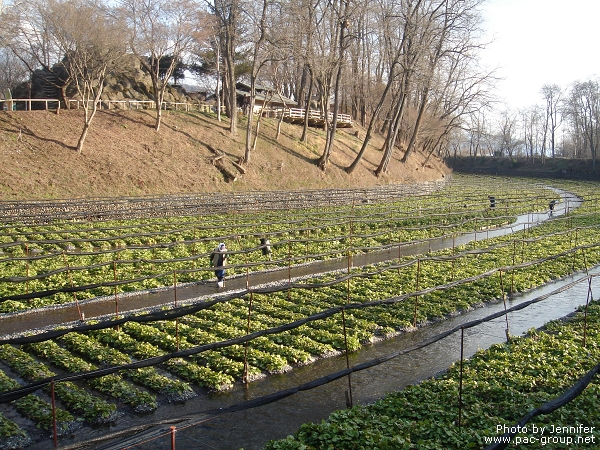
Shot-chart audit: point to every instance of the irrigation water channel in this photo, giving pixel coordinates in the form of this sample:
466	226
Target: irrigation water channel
251	429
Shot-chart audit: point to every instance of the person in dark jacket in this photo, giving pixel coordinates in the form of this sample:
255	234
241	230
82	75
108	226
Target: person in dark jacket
218	260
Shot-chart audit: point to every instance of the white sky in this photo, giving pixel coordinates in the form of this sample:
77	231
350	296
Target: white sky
539	42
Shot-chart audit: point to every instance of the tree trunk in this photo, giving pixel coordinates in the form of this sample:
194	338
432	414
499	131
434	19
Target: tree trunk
65	99
324	160
413	138
232	99
88	117
304	137
392	134
256	134
84	133
354	164
217	48
279	122
158	116
158	97
250	122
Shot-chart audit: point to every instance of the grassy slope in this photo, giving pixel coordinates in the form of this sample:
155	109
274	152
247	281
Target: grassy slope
125	156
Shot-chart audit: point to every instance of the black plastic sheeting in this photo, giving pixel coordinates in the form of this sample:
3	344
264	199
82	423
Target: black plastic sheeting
190	421
21	392
546	408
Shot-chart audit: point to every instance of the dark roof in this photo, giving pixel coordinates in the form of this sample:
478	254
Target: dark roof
263	94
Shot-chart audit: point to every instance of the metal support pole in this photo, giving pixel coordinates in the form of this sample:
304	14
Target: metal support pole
512	272
173	430
175	302
507	331
27	270
54	427
585	314
81	317
245	379
460	385
349	400
416	289
116	294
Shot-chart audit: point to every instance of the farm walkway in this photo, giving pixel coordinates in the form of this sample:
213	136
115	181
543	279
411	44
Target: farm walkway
67	313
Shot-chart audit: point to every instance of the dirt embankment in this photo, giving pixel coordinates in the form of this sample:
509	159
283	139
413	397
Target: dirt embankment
125	156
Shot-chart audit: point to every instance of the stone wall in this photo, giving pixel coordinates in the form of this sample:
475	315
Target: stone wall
132	84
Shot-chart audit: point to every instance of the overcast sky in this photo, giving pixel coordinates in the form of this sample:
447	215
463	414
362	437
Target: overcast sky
539	42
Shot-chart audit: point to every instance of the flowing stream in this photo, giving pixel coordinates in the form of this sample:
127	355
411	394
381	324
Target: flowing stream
251	429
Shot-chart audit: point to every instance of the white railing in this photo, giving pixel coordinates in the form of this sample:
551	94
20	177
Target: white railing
11	104
313	114
53	103
141	104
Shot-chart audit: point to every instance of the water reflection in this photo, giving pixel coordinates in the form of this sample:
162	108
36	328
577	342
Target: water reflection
251	429
15	323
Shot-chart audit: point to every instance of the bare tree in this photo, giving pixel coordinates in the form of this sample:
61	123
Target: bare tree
160	30
477	131
552	94
533	131
453	38
206	55
94	43
583	110
305	23
12	70
26	29
461	91
416	39
342	41
508	141
397	46
227	13
260	56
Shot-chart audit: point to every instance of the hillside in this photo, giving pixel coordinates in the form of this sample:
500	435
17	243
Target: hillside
124	156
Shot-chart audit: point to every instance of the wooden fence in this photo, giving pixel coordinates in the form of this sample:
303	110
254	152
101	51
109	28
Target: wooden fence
26	104
13	104
292	115
315	117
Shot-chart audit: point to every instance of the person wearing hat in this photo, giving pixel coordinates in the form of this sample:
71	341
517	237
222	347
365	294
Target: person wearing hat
218	259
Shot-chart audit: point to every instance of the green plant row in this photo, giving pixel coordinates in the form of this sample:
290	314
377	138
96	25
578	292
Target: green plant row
310	240
364	222
175	390
499	387
58	270
37	410
219	369
195	373
112	385
463	193
12	436
73	398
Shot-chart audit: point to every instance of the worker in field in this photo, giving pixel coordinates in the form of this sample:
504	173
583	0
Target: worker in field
218	260
265	245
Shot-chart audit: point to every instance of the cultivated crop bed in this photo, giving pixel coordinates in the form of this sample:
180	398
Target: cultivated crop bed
498	386
139	361
43	265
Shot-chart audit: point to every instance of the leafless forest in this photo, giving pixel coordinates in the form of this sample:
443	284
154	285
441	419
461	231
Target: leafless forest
406	69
